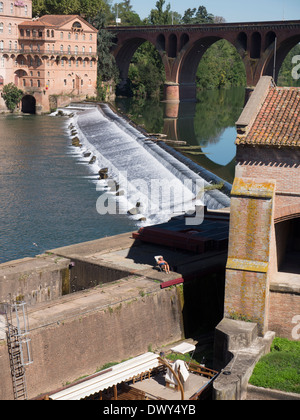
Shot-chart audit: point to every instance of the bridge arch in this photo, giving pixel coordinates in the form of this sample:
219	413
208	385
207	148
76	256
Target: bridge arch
177	44
282	51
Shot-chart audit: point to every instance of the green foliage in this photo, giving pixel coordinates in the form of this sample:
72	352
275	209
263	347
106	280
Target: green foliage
221	67
280	368
86	8
194	16
146	72
12	96
159	16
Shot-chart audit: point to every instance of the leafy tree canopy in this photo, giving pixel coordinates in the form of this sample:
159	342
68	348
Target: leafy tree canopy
12	96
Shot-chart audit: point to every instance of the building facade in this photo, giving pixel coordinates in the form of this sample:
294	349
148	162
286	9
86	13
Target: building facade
50	57
263	272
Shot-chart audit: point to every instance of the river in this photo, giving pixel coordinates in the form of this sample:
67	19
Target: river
49	191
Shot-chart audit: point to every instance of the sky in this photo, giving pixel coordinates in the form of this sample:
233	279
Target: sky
231	10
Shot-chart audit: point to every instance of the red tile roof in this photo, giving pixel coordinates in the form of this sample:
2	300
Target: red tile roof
277	122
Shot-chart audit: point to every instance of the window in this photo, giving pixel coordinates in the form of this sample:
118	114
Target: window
61	35
61	48
52	33
91	37
24	83
16	45
69	35
48	33
76	36
83	49
39	83
11	8
1	27
9	28
69	49
27	32
1	45
10	45
26	10
76	49
1	6
1	81
91	50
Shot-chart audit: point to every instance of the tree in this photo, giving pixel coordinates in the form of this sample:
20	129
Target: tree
123	11
159	16
194	16
12	96
107	68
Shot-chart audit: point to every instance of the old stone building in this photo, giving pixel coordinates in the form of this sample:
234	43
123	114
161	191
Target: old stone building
263	270
48	57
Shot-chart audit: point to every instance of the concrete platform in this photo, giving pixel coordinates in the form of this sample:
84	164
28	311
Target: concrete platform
156	387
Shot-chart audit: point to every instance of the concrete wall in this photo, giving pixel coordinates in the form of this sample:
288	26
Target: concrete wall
68	347
34	280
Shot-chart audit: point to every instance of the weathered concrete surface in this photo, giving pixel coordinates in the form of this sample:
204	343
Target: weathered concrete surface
79	333
237	350
34	280
255	393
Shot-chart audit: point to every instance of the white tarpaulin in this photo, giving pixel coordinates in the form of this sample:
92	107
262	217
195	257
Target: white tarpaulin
183	348
117	374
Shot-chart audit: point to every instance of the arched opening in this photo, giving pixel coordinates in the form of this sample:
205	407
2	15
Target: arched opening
289	73
172	49
288	245
242	41
29	104
255	45
270	39
141	70
220	67
287	69
161	42
184	39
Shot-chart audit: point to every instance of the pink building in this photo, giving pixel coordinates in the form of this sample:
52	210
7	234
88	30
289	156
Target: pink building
49	58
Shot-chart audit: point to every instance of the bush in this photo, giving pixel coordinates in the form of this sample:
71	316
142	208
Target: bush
12	96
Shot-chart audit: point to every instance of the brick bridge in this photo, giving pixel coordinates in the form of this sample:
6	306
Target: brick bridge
181	48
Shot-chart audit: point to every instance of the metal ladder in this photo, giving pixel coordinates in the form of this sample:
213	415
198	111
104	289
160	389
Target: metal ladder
18	344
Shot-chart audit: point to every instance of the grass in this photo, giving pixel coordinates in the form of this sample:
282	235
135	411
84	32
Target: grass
280	369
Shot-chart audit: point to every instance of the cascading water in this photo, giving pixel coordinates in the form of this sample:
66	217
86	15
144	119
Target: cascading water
149	182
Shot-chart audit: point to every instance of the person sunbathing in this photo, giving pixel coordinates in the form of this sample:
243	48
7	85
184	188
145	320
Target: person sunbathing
163	265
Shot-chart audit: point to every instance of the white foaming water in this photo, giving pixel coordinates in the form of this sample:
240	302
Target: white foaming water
144	172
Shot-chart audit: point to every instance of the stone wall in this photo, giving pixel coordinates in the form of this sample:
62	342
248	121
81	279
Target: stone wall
247	281
284	314
34	280
67	346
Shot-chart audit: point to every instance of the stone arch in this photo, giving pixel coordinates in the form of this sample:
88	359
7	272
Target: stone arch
191	59
282	51
29	104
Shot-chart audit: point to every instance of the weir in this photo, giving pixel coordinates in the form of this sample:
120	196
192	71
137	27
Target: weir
144	172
